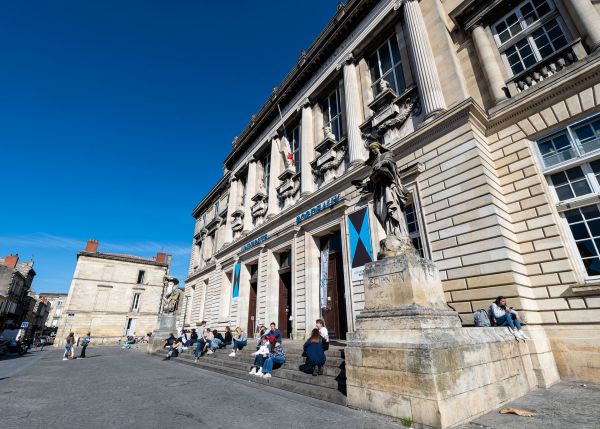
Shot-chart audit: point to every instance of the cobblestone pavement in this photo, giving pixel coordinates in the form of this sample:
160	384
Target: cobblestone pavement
115	388
566	405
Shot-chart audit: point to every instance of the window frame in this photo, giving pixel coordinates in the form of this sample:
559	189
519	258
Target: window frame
526	33
400	64
583	161
265	162
141	277
135	303
296	147
326	108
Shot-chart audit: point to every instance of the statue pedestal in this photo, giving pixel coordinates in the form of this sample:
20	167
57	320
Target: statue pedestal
410	357
165	326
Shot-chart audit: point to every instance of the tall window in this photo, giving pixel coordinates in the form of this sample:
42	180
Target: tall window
141	276
265	162
386	63
135	304
332	113
574	176
413	228
529	33
295	146
217	208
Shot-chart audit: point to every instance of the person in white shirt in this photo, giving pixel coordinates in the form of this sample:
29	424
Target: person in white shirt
261	355
507	316
323	332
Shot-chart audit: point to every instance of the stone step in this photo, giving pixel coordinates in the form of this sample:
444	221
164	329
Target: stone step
291	359
333	378
333	352
297	386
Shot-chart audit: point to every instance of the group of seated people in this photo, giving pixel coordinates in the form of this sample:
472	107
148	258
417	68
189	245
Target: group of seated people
269	347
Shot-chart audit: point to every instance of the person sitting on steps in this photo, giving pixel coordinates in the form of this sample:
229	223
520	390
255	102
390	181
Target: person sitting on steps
273	331
276	357
314	349
261	333
507	316
228	337
200	342
217	341
323	332
208	338
260	356
240	341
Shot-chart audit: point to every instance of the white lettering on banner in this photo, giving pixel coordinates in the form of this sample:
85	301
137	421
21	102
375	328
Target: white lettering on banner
324	277
318	208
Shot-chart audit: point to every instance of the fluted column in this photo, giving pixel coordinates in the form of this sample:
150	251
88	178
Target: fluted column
250	192
487	59
231	207
307	148
587	21
426	74
356	147
273	203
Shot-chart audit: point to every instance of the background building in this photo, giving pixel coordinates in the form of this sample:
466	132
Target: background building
491	110
56	304
15	283
113	295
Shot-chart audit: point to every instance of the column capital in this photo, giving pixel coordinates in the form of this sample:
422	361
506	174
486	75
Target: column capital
347	60
252	159
305	104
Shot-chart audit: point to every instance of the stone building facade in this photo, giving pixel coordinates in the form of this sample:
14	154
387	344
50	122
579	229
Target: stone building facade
15	284
492	111
56	305
113	295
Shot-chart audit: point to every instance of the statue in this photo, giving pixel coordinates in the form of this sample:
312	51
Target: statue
389	200
172	295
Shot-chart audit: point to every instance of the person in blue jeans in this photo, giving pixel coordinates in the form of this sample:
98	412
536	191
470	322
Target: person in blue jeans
507	316
240	340
277	357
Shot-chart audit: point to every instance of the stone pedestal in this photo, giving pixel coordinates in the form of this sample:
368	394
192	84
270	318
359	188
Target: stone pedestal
165	326
410	357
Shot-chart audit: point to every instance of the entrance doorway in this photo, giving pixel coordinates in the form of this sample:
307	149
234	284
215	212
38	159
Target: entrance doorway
130	327
334	314
252	300
285	294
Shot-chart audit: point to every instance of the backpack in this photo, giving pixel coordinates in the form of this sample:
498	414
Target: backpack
482	318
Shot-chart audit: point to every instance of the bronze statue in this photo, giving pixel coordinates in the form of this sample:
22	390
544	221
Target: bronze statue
172	295
389	199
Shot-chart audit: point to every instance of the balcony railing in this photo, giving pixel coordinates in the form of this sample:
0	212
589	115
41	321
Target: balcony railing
546	68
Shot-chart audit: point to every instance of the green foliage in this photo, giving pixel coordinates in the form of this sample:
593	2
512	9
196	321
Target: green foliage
406	421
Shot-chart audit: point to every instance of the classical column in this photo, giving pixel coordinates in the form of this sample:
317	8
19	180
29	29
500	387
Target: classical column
250	192
587	21
426	74
231	207
356	147
487	59
275	171
307	149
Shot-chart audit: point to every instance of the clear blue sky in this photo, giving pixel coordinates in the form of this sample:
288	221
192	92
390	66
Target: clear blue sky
115	117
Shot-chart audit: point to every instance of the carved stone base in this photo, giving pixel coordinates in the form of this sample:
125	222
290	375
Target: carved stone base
410	357
166	325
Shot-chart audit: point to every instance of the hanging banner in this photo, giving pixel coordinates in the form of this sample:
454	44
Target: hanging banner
236	282
324	277
361	251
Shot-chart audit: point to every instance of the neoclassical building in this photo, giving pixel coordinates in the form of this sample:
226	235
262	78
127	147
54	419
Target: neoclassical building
492	112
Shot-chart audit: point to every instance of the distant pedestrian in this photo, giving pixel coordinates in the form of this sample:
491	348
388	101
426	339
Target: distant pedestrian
68	345
42	343
74	347
84	344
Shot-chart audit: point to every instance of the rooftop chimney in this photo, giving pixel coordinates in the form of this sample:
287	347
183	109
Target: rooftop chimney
11	261
161	257
92	246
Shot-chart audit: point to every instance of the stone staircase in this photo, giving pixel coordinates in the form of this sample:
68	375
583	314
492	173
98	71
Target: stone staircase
331	386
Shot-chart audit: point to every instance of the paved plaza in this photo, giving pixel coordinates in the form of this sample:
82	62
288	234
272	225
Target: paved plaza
116	388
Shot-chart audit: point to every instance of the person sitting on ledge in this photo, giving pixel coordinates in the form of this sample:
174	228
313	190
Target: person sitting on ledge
240	341
260	356
314	349
507	316
276	357
172	344
228	337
